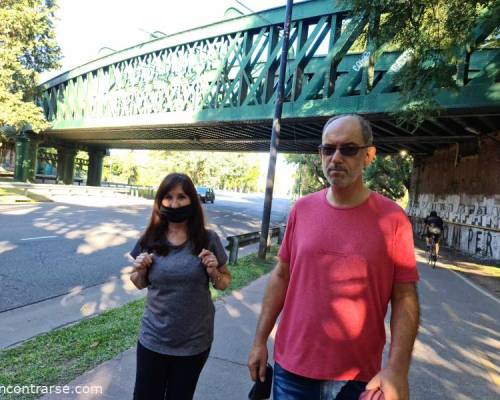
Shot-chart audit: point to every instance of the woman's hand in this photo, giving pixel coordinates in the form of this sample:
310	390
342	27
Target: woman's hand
218	274
142	263
210	262
139	275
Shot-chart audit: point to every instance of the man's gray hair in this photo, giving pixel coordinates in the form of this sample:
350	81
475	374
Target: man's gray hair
366	129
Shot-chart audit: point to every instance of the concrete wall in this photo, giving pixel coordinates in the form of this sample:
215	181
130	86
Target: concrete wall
461	183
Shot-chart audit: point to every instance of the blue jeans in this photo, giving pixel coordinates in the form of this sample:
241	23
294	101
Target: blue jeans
289	386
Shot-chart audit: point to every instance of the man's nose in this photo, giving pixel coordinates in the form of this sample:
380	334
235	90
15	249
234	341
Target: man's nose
336	157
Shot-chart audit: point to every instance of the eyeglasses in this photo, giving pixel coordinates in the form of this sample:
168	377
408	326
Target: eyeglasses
348	150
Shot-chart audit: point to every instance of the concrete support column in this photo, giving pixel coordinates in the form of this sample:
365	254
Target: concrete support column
94	174
26	154
66	164
418	163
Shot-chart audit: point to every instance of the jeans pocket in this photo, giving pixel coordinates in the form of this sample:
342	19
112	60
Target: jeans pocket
351	390
330	389
289	386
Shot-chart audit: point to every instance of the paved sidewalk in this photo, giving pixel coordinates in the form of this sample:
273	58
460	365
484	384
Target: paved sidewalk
225	375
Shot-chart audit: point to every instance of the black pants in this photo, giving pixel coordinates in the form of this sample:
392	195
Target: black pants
163	377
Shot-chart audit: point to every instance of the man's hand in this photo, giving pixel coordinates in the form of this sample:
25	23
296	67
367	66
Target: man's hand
393	384
274	298
257	362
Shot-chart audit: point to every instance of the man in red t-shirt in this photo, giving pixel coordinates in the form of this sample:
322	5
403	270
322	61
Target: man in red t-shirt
347	253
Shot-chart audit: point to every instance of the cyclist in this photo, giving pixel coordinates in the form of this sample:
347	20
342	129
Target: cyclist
433	227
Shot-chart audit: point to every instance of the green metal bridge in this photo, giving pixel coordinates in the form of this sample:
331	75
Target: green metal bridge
213	88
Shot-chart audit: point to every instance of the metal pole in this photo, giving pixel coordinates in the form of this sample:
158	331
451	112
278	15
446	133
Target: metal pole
275	135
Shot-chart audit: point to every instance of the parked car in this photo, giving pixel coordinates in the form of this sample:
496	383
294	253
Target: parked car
206	194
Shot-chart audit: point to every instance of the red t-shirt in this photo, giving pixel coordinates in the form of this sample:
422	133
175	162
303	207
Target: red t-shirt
343	263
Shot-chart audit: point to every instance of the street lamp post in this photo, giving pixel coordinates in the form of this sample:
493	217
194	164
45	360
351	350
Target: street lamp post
275	134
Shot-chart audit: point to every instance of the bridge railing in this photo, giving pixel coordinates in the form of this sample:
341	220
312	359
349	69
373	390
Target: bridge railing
187	77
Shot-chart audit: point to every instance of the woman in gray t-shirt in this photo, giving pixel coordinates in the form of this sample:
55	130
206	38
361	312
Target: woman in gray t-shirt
175	259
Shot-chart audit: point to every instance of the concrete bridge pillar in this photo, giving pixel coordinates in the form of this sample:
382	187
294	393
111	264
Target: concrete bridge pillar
26	152
94	174
418	162
66	164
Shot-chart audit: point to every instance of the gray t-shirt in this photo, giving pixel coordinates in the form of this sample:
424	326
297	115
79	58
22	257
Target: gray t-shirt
178	318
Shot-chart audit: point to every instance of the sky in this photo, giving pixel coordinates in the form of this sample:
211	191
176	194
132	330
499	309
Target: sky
87	29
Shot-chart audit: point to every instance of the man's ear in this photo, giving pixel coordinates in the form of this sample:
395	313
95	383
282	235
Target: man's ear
370	156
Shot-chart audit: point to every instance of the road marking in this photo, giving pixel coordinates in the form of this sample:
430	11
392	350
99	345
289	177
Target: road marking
450	312
479	289
40	237
431	288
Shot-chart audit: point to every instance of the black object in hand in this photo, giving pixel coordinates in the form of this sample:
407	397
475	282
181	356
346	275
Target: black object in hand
262	390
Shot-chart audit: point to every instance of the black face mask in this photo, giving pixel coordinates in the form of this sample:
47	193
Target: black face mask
179	214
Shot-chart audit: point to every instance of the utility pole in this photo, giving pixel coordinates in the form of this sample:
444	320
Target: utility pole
275	134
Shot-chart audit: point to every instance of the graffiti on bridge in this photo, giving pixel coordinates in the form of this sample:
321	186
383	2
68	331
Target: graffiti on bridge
475	241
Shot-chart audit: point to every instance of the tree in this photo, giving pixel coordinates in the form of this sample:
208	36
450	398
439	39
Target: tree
27	47
309	177
390	175
436	36
230	171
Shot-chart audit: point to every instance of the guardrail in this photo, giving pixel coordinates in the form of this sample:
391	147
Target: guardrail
237	241
48	188
147	192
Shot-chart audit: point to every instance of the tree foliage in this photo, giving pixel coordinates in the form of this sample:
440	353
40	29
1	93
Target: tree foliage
27	47
230	171
435	35
309	176
388	175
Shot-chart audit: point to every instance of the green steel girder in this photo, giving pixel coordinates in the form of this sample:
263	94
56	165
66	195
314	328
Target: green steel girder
51	158
224	75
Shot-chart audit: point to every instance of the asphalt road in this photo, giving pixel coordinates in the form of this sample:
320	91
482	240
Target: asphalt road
457	353
50	249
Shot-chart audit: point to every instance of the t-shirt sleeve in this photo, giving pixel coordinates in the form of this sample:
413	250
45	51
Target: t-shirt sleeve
136	250
215	246
405	265
285	250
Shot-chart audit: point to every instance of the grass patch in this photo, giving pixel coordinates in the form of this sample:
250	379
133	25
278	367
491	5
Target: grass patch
58	357
13	196
250	268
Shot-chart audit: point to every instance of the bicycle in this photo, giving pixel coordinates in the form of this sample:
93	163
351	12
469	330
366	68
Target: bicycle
431	252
